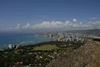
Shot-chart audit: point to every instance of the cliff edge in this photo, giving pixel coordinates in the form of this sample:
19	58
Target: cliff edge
87	55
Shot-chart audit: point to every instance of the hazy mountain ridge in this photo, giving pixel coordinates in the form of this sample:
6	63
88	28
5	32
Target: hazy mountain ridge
87	55
88	31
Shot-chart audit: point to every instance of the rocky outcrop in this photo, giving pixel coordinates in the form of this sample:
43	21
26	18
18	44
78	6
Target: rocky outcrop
87	55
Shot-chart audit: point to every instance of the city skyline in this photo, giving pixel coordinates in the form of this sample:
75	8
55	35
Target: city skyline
49	14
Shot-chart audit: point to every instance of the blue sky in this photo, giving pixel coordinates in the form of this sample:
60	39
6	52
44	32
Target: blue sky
37	14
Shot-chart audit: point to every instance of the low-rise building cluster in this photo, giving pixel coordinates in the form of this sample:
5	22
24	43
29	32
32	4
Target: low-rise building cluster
40	58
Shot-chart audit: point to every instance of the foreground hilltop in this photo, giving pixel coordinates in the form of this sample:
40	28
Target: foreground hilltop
87	55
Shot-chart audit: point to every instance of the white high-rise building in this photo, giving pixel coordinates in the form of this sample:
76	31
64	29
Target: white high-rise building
10	46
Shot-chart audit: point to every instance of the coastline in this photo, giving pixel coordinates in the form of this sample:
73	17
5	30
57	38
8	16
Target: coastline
27	40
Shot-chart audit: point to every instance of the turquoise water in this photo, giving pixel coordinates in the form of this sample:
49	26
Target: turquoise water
21	38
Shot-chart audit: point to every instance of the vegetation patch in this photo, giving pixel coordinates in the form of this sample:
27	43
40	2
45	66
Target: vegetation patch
39	54
46	47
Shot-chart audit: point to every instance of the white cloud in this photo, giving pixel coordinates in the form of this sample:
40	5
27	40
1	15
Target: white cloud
74	20
27	26
53	25
66	25
59	25
47	24
18	25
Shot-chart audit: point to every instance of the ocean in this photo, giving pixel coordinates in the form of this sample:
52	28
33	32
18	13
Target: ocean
7	38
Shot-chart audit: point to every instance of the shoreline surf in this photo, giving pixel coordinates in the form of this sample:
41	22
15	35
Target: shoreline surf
21	39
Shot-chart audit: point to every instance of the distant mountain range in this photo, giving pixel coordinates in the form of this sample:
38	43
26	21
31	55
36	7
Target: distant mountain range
89	31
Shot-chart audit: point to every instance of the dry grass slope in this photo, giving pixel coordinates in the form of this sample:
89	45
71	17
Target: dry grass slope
87	55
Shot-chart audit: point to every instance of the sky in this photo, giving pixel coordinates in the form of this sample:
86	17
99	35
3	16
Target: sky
49	14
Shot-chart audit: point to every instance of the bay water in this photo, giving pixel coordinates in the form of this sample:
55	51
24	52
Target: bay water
7	38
